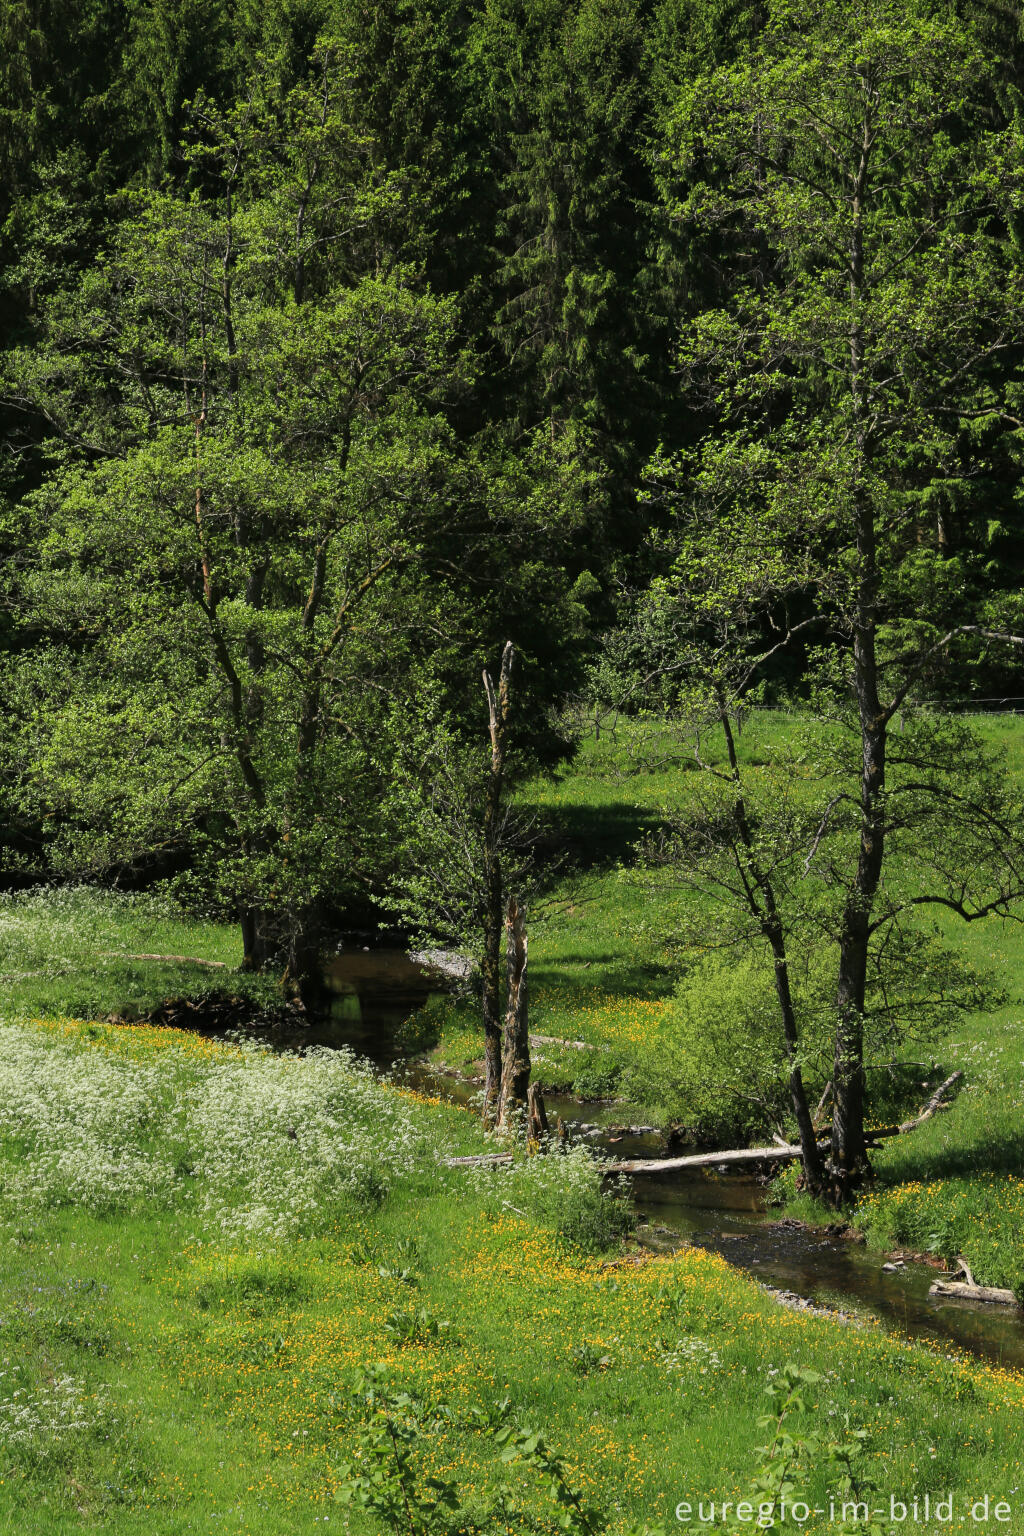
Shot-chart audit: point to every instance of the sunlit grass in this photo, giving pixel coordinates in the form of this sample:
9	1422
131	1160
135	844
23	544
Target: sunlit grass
605	958
77	951
213	1371
209	1361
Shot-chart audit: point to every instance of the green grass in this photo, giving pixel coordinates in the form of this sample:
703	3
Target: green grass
212	1371
209	1349
69	951
955	1185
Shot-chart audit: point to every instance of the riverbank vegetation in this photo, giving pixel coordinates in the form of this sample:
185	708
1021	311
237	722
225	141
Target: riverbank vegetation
240	1277
668	1024
672	1025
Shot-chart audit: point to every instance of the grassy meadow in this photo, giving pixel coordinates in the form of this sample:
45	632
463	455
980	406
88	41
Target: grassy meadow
190	1292
81	953
605	965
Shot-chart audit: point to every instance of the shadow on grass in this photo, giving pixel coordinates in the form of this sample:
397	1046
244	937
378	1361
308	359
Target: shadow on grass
133	993
594	836
609	973
1002	1156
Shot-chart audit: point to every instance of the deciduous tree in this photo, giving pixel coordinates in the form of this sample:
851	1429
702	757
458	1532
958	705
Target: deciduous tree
852	161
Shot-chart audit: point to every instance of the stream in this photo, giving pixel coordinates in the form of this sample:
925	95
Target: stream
376	990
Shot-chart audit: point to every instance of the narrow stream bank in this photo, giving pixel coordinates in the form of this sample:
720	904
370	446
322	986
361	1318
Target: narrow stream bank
377	989
836	1273
728	1214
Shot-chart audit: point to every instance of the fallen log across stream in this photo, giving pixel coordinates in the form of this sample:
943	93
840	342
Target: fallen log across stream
739	1157
744	1157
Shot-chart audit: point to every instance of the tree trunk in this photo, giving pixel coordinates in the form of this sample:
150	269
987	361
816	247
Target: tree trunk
303	980
490	1003
536	1114
763	905
256	949
515	1065
848	1157
498	705
814	1171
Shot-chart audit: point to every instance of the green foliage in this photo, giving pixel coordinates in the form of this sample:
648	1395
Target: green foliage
565	1191
415	1326
273	461
438	783
715	1061
260	501
383	1478
790	1456
529	1446
568	91
595	1075
976	1218
592	1221
769	364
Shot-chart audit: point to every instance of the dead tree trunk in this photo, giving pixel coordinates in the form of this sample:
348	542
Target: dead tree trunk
498	704
515	1065
536	1114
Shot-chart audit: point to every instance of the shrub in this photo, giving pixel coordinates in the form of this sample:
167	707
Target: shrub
716	1061
597	1076
715	1058
564	1191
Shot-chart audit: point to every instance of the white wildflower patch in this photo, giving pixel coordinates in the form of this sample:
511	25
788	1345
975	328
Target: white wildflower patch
255	1143
690	1353
538	1182
82	1119
37	1418
280	1138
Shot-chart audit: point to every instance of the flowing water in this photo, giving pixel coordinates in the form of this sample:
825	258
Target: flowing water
375	991
728	1214
828	1270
